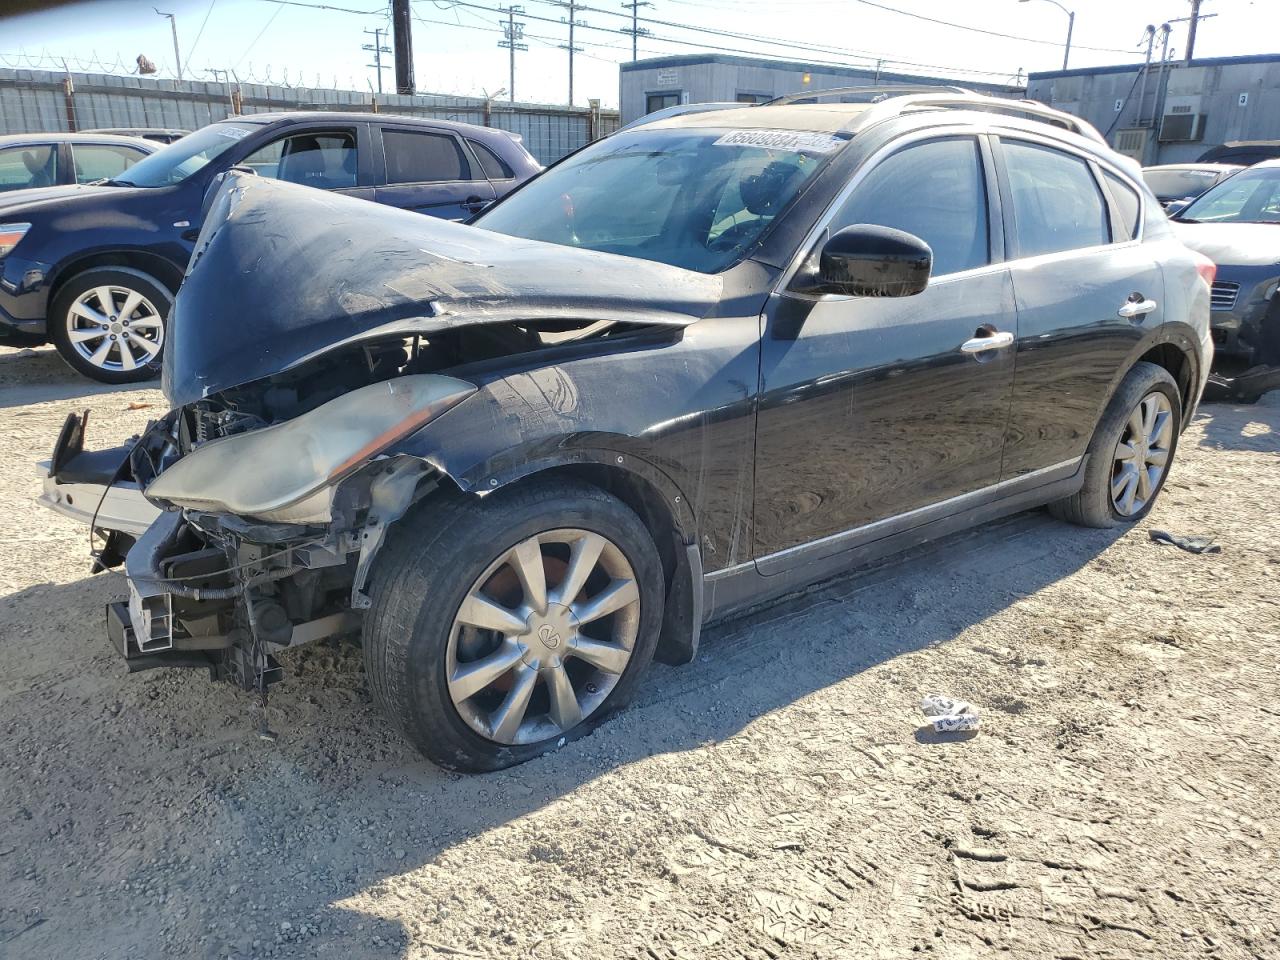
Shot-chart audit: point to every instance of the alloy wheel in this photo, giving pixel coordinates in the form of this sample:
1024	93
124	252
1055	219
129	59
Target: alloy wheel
543	636
1142	454
115	328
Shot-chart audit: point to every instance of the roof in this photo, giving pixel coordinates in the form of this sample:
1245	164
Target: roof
816	117
340	116
832	69
1135	67
18	139
1208	167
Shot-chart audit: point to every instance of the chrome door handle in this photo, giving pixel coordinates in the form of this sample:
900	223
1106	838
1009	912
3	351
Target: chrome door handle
1136	308
993	342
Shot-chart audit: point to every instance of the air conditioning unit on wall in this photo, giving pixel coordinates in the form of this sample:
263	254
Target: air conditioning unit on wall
1180	125
1132	142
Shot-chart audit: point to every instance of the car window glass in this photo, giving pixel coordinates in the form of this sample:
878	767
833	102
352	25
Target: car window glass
1252	196
1127	205
495	168
934	190
1056	202
326	161
30	166
185	157
102	161
414	157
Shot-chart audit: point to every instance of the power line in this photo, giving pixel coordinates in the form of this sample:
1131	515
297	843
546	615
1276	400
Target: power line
200	32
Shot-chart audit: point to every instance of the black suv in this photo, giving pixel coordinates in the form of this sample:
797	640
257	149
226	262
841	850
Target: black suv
95	268
694	366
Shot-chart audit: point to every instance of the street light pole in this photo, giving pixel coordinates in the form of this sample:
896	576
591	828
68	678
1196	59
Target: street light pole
1071	25
173	25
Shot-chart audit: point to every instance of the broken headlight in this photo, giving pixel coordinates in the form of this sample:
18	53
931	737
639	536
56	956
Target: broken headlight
285	472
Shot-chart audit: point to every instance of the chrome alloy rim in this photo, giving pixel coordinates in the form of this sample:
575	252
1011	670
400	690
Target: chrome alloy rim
543	636
115	328
1142	455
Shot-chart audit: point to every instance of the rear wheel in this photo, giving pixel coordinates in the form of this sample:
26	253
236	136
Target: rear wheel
109	323
1130	453
501	628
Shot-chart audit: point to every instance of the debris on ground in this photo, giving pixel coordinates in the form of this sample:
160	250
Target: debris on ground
949	715
1192	543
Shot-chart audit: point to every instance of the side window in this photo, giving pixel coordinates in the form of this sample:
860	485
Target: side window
102	161
935	190
326	161
1125	200
494	167
414	157
1056	202
23	167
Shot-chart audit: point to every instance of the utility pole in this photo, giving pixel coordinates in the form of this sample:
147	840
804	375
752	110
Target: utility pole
173	25
404	46
636	30
1150	37
1193	22
572	6
513	32
226	82
378	50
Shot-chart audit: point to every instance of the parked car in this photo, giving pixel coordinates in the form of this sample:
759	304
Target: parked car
157	134
30	160
693	367
1237	226
1177	184
1244	152
95	268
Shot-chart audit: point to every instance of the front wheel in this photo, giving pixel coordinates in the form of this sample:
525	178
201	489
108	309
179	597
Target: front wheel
1130	453
503	627
109	323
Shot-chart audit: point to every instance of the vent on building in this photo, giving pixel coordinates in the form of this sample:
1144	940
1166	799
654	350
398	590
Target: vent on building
1181	127
1181	108
1132	143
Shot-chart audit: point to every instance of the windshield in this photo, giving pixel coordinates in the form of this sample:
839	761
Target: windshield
697	199
179	160
1252	196
1176	184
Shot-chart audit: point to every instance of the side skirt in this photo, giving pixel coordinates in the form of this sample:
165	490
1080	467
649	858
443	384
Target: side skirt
790	571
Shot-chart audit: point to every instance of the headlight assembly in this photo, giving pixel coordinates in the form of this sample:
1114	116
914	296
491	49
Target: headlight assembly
285	473
10	234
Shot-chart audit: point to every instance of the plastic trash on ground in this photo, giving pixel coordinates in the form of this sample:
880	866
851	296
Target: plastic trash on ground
949	715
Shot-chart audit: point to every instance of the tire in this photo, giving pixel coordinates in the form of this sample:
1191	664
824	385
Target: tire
77	311
1094	505
416	640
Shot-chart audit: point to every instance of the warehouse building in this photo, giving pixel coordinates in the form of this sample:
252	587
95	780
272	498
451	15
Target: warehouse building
648	85
1174	113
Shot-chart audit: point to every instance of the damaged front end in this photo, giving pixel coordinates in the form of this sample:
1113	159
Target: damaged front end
311	336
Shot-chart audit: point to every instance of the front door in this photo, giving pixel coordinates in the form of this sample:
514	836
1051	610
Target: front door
1088	291
873	408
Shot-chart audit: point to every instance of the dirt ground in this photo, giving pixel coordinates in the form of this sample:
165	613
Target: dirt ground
777	799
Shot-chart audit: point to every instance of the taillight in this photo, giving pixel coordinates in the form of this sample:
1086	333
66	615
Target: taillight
1206	268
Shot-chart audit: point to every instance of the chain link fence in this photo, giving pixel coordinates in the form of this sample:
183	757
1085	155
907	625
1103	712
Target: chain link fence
33	101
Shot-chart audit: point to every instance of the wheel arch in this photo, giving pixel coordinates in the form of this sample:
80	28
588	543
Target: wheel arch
158	267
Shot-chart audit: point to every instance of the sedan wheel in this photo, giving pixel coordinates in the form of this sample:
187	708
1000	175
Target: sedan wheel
543	636
1142	455
115	329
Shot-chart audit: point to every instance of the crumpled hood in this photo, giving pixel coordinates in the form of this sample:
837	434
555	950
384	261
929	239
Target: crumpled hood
1233	244
12	200
282	273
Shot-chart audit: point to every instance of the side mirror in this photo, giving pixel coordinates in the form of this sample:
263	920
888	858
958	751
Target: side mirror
867	260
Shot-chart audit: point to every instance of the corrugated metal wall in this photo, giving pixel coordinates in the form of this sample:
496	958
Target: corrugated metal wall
39	100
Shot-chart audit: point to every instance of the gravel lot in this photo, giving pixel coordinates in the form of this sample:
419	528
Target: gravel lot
777	799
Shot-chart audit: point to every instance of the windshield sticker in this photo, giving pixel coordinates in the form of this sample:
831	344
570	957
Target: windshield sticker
799	141
233	133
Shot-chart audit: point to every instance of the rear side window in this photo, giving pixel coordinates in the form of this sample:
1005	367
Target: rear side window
414	157
23	167
494	167
1125	199
935	190
1056	202
102	161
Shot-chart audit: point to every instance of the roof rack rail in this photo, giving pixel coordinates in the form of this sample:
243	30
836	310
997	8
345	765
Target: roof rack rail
874	94
897	106
677	110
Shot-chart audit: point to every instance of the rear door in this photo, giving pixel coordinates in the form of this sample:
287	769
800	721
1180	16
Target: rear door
1087	291
431	172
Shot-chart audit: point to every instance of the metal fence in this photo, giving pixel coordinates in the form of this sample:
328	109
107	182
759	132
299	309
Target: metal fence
41	100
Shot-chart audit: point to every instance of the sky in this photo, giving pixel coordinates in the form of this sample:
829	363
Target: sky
456	43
